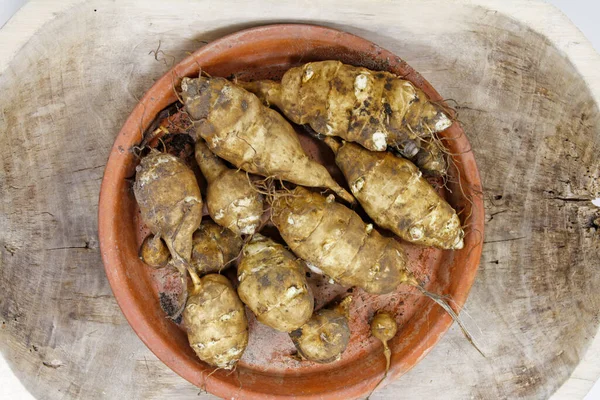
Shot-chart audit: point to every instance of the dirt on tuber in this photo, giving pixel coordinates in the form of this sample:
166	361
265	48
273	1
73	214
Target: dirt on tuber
216	322
326	335
272	283
214	248
395	195
373	108
335	241
231	199
240	129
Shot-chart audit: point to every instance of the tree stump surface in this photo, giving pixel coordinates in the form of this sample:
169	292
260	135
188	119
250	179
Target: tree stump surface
71	73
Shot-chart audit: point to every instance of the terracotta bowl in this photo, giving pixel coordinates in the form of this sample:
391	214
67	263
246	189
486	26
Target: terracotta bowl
267	371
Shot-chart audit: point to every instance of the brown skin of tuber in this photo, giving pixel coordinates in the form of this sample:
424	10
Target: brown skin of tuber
240	129
154	252
272	283
325	336
335	241
216	321
170	203
214	248
393	192
231	199
374	109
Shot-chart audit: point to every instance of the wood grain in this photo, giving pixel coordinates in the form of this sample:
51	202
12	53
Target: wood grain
532	119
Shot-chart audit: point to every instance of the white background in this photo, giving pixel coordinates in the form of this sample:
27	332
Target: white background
583	13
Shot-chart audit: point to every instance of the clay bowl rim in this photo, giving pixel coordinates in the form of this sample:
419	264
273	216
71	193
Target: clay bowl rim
159	96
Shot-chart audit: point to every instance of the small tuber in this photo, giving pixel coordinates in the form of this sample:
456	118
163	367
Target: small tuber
325	336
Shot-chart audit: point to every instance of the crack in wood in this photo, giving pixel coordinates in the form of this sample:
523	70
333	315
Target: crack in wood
570	199
85	247
505	240
496	213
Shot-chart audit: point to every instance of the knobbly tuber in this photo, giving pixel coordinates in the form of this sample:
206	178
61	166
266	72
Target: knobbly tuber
336	242
231	199
214	248
325	336
395	195
215	320
154	252
430	158
374	109
272	284
170	203
240	129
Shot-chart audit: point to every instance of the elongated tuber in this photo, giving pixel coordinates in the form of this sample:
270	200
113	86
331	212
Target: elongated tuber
216	322
272	284
214	248
374	109
231	200
395	195
335	241
240	129
325	336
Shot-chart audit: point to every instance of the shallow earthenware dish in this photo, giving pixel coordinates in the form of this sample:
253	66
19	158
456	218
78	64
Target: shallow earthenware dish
267	371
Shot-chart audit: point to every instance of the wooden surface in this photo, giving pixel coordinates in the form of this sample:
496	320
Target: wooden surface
72	72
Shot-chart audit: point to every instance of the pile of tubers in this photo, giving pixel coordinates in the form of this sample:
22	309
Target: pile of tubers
378	126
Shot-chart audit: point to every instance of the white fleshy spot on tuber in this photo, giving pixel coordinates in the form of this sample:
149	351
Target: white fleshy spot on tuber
459	243
596	202
330	198
228	316
290	220
245	202
442	123
327	245
248	229
219	215
374	270
147	177
255	248
226	91
257	269
190	199
331	281
360	82
416	232
308	73
380	141
314	268
369	228
292	292
248	221
162	160
357	185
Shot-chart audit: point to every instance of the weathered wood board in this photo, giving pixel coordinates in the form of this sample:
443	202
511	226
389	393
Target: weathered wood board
531	116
